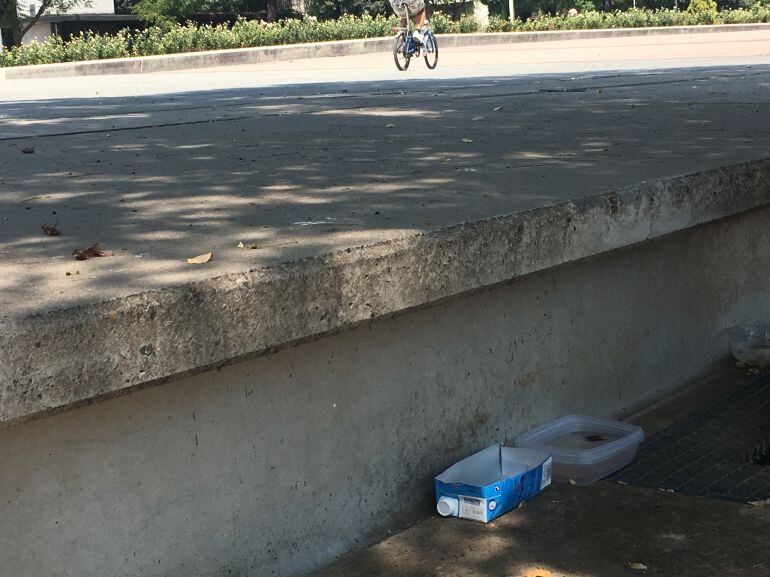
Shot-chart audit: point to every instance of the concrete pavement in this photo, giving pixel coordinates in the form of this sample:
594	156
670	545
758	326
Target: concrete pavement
282	53
211	159
481	317
205	161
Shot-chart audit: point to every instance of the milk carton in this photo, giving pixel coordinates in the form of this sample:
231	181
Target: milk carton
491	482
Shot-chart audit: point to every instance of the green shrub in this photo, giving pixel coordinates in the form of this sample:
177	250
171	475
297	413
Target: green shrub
700	6
176	38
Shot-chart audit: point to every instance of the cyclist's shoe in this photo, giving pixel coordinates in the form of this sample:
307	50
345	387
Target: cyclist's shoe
418	37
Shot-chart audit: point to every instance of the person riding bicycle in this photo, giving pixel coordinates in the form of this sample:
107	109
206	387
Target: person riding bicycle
416	9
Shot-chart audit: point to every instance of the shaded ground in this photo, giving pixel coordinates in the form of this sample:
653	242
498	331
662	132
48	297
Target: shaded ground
595	531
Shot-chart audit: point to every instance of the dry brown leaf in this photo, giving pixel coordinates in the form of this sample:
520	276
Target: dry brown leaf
93	251
467	140
638	566
50	230
538	573
201	259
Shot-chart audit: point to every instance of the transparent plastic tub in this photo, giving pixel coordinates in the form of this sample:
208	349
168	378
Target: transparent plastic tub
584	448
750	344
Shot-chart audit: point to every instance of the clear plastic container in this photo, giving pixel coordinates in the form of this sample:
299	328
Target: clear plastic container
584	448
750	344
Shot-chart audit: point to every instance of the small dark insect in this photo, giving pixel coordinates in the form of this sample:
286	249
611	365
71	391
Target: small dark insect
28	150
595	438
51	230
93	251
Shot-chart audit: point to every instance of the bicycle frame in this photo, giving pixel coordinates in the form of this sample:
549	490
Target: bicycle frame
410	48
406	47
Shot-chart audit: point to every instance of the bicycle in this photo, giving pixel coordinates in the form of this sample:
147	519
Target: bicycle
404	46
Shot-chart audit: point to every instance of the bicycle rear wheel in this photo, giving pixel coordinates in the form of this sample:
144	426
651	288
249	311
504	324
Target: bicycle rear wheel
431	51
399	52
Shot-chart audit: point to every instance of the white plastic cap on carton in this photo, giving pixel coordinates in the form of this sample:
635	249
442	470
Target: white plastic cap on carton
448	507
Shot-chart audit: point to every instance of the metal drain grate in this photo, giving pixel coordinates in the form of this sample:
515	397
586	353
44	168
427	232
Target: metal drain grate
720	451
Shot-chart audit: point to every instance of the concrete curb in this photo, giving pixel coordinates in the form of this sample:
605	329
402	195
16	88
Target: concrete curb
195	60
64	358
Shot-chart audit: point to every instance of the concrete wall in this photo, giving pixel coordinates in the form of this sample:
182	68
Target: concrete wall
280	463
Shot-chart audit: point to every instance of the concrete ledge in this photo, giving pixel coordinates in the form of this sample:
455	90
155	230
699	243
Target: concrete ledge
210	59
63	358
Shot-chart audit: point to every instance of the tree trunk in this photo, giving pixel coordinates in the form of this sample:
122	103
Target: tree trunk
9	14
20	27
607	5
272	10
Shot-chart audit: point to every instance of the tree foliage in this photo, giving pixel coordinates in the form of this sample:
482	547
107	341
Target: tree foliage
157	11
328	9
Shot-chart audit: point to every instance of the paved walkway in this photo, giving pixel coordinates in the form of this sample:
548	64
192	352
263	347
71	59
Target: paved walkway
159	168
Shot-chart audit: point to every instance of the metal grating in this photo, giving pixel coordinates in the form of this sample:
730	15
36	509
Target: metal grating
719	451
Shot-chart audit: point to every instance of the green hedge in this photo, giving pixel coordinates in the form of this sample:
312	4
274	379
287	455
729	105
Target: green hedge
244	34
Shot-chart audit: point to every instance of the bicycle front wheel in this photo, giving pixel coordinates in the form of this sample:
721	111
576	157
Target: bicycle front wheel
399	52
431	51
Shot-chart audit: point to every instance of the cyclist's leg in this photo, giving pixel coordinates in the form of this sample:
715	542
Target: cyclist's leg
400	12
419	19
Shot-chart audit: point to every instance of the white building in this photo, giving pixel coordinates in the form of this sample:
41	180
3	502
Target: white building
95	10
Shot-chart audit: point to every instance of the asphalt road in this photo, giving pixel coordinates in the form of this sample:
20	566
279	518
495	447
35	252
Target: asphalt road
300	158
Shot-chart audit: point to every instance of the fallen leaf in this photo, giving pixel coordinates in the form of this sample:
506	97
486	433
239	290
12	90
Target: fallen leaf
201	259
638	566
467	140
50	230
93	251
538	573
496	108
763	503
28	150
572	482
248	246
477	118
390	126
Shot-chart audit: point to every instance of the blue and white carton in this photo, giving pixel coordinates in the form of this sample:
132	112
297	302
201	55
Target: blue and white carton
490	483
